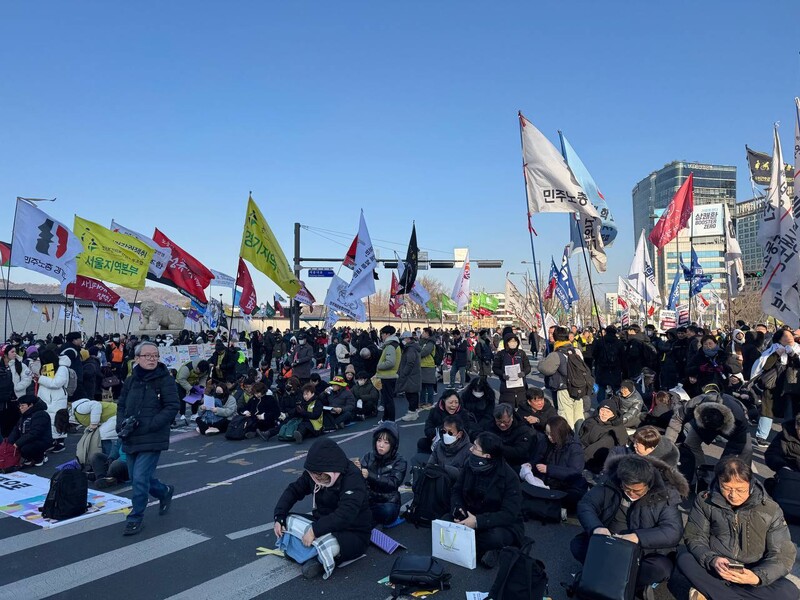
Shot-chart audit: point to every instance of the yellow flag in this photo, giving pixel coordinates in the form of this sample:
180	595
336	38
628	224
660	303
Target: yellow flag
112	257
261	249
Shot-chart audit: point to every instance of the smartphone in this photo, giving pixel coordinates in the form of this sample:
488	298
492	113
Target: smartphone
735	566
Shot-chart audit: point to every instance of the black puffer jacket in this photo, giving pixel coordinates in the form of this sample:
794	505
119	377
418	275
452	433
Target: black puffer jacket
608	354
32	426
480	408
654	518
344	506
386	473
664	451
735	425
755	534
151	397
516	441
565	464
436	418
544	415
784	450
505	358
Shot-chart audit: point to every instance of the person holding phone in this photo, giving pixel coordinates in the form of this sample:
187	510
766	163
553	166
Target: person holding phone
737	540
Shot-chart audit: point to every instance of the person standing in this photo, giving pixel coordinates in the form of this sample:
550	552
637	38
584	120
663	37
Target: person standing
388	365
15	377
409	376
427	365
302	359
343	351
512	391
458	348
146	407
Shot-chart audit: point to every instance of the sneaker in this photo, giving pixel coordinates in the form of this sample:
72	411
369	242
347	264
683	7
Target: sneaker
249	435
695	594
489	559
166	501
41	462
105	482
264	435
298	437
563	514
411	415
197	429
380	408
57	447
761	443
25	463
132	528
212	431
312	568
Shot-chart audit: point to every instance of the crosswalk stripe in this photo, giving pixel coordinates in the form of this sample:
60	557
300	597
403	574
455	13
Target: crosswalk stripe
246	582
250	531
245	451
31	539
68	577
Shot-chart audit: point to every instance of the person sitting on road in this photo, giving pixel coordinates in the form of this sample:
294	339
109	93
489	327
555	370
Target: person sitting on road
639	502
111	469
98	415
310	410
602	432
479	399
647	441
350	376
449	404
514	434
211	421
32	434
487	498
341	402
262	412
558	461
318	382
737	540
784	450
384	469
340	503
453	449
536	410
630	403
366	396
660	413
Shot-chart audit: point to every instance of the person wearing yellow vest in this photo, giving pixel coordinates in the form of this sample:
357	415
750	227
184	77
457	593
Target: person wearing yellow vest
388	365
310	410
98	415
427	366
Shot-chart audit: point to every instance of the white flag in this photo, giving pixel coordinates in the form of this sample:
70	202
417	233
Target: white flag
778	234
460	293
330	320
222	280
628	293
76	312
418	293
339	299
123	307
733	257
107	315
550	184
161	254
549	321
641	275
363	282
34	308
43	244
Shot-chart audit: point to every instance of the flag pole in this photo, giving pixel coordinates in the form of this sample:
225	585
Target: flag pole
8	274
130	316
533	246
96	317
591	285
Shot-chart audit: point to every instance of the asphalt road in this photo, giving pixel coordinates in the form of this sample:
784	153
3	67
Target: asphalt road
206	547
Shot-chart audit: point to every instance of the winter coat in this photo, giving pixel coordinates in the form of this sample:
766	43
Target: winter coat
427	353
516	441
481	409
654	518
554	368
92	379
755	534
342	398
53	389
665	451
266	405
186	377
436	416
714	369
639	353
344	506
631	407
75	363
223	364
608	354
6	386
409	374
500	505
229	407
784	450
152	398
459	351
735	425
368	394
505	358
543	415
452	457
386	473
389	362
22	380
302	361
33	426
564	465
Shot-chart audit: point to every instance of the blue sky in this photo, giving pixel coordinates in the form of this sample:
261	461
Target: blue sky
167	114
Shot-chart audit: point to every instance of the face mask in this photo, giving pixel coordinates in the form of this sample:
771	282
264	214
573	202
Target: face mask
478	394
362	381
302	342
448	439
631	499
479	464
116	340
710	352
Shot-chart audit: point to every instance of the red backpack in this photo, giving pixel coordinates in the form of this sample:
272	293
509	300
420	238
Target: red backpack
10	459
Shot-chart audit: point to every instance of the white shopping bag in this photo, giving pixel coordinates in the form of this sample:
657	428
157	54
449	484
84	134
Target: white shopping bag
454	543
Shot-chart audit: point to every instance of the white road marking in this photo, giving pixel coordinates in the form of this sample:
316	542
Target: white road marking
177	464
248	532
31	539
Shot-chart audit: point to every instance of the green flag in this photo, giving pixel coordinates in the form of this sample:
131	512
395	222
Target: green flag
447	303
432	310
491	303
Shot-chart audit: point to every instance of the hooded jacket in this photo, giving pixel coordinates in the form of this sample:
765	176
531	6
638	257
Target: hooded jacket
784	450
389	362
344	506
386	473
54	389
755	534
368	394
409	373
735	425
453	457
608	355
33	426
427	363
480	408
516	440
150	396
654	518
22	380
506	357
436	417
631	407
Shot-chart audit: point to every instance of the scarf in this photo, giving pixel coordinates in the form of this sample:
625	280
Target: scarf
758	366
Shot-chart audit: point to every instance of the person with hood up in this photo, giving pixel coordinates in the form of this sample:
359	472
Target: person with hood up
512	391
53	380
223	362
737	540
638	501
648	441
449	404
537	409
479	400
340	402
340	503
384	471
602	432
366	396
32	434
515	435
302	359
557	459
409	375
453	449
630	403
387	368
487	498
708	416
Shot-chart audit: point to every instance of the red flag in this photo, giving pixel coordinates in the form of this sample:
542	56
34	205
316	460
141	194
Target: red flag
277	304
5	254
247	301
622	303
394	301
676	216
651	310
551	287
183	271
350	257
87	288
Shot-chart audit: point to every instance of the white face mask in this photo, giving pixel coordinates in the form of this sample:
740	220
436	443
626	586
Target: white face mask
449	439
301	342
477	394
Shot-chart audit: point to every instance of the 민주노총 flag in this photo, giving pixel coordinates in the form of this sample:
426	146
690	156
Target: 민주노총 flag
109	256
184	272
247	301
87	288
161	255
44	245
261	249
676	216
410	265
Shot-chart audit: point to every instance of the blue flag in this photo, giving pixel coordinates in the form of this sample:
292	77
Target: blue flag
565	276
675	292
694	275
559	286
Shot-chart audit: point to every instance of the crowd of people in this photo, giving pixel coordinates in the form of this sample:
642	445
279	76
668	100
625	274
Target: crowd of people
620	435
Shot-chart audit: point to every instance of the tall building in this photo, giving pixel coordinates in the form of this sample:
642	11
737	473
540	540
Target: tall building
714	187
748	218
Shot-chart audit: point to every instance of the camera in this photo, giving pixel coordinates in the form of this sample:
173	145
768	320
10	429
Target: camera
129	425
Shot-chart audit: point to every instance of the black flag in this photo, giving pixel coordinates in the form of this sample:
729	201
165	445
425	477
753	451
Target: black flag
410	264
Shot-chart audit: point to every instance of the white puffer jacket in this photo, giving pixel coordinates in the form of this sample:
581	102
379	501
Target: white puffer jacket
54	389
21	380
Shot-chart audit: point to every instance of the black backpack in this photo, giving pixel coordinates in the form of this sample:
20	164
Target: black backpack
236	428
431	496
579	378
413	572
519	576
69	490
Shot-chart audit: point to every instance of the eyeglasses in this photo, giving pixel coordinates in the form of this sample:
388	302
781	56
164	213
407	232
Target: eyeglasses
155	356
